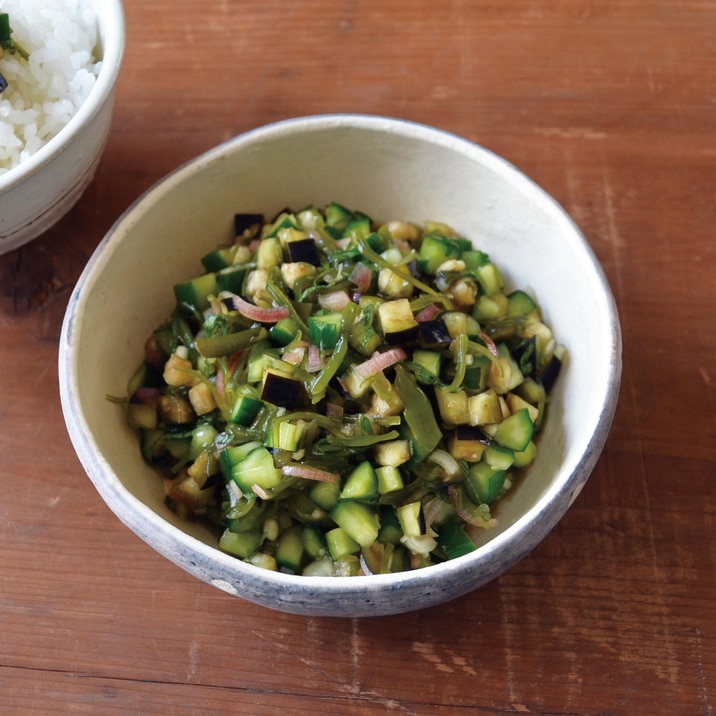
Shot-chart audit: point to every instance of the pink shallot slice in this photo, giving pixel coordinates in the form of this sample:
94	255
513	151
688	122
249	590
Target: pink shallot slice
380	361
309	473
259	313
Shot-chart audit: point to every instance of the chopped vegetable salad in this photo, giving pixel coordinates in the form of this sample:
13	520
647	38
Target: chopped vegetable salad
339	397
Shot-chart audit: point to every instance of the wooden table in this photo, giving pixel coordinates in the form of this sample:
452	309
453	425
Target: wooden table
611	106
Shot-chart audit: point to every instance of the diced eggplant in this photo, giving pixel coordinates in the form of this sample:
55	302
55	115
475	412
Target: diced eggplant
453	407
283	391
304	250
397	321
550	373
467	443
433	334
484	408
246	222
525	355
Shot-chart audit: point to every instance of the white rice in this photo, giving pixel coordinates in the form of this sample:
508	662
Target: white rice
44	92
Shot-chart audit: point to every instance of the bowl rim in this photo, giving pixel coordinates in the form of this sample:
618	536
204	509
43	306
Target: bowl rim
540	518
113	45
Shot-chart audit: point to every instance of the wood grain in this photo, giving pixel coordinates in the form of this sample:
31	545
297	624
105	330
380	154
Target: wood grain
611	107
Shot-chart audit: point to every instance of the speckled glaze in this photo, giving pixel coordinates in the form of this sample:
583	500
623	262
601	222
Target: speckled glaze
389	169
41	190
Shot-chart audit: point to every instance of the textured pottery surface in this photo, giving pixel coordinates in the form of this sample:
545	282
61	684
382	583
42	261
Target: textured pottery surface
41	190
390	169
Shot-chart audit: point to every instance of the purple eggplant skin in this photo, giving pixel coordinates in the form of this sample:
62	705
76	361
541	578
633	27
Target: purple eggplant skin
284	391
243	222
550	373
471	433
525	355
402	338
433	334
305	251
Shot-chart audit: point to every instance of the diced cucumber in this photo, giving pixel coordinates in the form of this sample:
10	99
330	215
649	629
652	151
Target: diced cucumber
284	331
325	494
516	403
361	484
219	258
363	337
489	308
358	228
474	258
337	216
428	360
476	373
459	323
314	542
499	458
436	250
520	304
291	235
490	279
304	510
283	221
269	253
324	329
453	540
525	457
515	432
289	549
389	479
484	482
202	438
532	391
232	279
360	521
241	544
262	357
245	410
390	529
195	292
340	543
233	455
250	467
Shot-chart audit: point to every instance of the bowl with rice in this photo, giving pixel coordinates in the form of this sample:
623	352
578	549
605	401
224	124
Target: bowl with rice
59	61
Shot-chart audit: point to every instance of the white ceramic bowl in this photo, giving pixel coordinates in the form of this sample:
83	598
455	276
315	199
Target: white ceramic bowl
42	189
389	169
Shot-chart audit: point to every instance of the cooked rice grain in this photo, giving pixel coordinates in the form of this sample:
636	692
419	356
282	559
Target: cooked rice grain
46	91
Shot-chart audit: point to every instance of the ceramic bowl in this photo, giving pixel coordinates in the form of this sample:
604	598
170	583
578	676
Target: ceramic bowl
39	191
388	168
